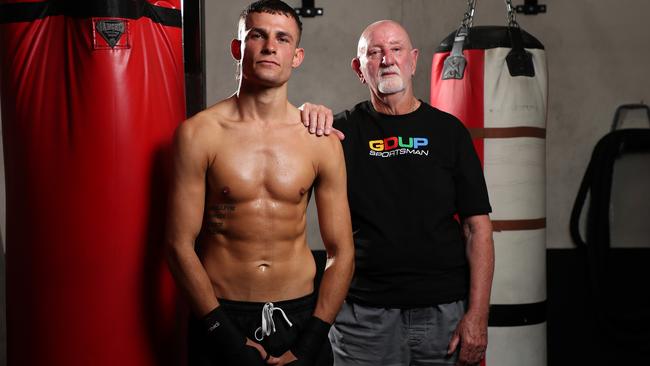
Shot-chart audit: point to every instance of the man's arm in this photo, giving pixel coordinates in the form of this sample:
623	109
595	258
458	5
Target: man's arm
185	217
471	332
336	231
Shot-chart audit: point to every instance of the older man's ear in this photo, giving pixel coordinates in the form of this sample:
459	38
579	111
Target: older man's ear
356	67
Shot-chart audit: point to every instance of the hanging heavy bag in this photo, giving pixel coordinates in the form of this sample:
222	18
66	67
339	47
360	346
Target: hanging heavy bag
494	79
91	94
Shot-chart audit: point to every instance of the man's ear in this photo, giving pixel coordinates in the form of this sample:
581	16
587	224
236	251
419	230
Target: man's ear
235	49
356	67
414	56
298	56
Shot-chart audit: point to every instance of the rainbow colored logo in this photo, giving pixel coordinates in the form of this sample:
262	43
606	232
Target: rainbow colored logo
395	142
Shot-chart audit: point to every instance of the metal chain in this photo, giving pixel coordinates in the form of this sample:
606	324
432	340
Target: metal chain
468	17
454	65
512	21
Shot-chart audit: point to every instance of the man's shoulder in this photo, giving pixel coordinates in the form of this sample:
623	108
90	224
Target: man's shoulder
446	116
442	119
350	114
344	120
323	149
324	144
204	127
223	111
364	110
210	118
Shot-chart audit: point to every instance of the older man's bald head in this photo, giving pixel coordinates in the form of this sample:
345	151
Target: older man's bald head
383	30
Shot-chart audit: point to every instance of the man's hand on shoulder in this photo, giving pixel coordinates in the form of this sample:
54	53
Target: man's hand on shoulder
319	120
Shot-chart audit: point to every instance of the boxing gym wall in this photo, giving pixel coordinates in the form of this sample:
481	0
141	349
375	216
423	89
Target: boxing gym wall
596	61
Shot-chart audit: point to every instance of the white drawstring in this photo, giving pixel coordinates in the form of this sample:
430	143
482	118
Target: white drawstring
268	325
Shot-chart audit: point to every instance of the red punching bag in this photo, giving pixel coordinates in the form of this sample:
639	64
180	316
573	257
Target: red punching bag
494	79
91	94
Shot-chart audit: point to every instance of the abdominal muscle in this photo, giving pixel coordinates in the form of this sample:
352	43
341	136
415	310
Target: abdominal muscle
257	251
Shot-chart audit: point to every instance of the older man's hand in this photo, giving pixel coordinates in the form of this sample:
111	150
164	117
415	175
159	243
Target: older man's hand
471	336
319	120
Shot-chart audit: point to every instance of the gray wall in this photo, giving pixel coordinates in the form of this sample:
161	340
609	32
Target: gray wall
598	55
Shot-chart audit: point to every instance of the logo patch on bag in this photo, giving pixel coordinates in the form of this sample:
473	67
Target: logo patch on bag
114	33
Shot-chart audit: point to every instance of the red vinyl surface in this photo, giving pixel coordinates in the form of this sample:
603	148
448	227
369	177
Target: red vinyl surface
86	128
462	98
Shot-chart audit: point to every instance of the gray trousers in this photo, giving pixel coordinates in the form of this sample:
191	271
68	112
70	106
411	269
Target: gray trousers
369	336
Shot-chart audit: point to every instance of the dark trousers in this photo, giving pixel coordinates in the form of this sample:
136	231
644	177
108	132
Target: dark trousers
247	317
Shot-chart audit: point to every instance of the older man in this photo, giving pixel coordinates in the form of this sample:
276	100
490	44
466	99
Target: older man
420	293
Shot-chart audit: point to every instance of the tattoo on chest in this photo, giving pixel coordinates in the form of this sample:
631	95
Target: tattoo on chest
216	214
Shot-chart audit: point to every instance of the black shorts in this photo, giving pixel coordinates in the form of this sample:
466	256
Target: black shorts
247	317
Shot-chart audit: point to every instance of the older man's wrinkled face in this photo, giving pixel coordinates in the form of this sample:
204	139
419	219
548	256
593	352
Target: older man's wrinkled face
386	57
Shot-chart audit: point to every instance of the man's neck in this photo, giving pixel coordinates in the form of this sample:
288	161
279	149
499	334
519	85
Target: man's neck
400	103
264	104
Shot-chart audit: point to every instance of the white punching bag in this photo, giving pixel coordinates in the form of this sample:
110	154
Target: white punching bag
494	79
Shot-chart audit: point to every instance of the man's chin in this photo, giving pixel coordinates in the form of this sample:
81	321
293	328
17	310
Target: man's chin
265	81
390	89
390	85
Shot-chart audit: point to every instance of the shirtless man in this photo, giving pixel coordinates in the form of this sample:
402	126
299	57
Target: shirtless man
243	172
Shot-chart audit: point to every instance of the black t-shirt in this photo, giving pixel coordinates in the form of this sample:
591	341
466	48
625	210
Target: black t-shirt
408	176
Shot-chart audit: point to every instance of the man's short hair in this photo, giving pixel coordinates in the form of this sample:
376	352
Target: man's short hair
271	7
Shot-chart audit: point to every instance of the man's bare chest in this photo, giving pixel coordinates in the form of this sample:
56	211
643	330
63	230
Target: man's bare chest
253	168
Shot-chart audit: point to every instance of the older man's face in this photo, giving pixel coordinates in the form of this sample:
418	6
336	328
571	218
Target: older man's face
387	58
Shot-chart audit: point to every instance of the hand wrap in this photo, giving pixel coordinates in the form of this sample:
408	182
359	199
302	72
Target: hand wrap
221	331
312	339
231	348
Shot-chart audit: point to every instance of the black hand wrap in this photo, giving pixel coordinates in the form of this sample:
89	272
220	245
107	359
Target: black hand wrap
312	339
220	331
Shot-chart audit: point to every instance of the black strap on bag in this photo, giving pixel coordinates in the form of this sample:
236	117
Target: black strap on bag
520	61
131	9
